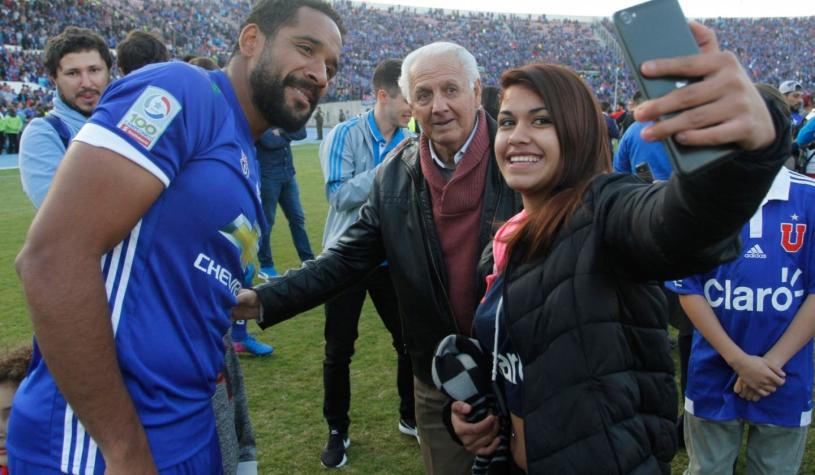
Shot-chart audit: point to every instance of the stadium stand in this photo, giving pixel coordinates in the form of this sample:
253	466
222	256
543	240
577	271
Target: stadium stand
771	49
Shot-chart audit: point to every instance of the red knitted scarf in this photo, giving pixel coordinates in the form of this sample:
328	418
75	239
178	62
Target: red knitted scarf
457	207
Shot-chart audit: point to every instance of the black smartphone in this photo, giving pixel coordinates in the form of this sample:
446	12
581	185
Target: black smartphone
643	170
654	30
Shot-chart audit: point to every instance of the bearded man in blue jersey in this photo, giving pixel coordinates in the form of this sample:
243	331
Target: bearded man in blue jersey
148	232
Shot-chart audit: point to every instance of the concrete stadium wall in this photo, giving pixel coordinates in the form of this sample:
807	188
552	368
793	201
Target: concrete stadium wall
331	112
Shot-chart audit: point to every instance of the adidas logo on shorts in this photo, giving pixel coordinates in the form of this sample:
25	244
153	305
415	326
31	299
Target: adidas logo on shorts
755	252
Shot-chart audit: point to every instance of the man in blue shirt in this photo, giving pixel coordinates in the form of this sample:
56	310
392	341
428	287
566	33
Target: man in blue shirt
633	150
278	185
751	361
78	62
149	232
794	94
350	156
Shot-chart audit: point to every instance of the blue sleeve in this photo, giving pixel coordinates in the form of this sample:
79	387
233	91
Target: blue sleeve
622	162
807	134
160	117
346	187
687	286
41	151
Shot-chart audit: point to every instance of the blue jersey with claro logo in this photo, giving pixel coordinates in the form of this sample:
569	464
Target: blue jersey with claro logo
755	298
172	281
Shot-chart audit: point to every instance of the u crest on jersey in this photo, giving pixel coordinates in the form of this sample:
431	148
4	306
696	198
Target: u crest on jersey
793	242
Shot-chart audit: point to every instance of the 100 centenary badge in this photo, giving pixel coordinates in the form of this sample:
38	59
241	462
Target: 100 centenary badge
149	116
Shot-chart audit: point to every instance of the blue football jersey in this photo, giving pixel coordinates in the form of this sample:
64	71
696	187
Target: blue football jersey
755	299
172	281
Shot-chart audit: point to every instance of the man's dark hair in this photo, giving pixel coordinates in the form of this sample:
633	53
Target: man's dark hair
386	76
638	97
604	106
74	40
13	365
204	62
271	15
138	49
491	100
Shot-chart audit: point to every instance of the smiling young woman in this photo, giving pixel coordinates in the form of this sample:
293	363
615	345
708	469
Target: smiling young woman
550	166
573	315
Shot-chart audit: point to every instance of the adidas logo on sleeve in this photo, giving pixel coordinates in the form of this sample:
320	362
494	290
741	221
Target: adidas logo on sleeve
755	252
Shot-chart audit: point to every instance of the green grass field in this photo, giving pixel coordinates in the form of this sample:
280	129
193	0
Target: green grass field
285	389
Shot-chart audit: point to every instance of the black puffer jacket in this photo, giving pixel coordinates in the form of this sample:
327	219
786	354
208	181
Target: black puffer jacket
396	224
588	319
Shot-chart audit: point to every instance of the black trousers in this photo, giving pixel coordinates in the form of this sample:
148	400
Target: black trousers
13	143
341	321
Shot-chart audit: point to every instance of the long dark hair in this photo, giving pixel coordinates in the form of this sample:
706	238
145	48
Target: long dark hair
584	149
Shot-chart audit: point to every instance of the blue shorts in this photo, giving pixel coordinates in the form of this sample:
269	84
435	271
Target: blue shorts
207	460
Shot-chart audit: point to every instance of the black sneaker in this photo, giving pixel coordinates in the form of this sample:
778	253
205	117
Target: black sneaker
333	455
408	427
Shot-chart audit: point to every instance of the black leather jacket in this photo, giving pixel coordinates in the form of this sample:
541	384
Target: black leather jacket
396	224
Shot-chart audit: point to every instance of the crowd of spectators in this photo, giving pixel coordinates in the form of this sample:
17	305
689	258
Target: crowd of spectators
771	49
28	102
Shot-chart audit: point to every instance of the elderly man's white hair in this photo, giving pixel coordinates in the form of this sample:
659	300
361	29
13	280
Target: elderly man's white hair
438	49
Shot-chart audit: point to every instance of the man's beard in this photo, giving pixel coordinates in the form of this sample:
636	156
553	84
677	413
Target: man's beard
73	105
268	97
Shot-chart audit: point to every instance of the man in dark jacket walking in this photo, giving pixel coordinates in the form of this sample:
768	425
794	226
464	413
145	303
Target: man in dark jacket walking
432	209
318	122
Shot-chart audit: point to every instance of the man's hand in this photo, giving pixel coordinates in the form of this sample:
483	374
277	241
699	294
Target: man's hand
758	374
723	108
480	438
248	306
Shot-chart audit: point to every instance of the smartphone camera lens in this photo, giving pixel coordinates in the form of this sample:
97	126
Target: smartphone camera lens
626	18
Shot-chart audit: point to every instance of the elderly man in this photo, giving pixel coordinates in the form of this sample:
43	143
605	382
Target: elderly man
432	209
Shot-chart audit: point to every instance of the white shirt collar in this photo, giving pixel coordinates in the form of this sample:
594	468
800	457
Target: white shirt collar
460	154
780	189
